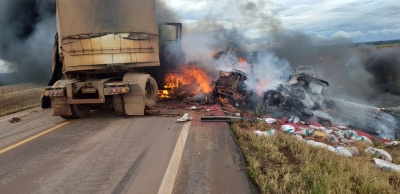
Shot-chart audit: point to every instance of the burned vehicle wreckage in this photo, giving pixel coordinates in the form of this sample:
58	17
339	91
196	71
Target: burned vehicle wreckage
305	96
301	94
231	85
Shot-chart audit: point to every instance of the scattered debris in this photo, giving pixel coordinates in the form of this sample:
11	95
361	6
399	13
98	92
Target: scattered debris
316	144
382	164
391	143
15	120
294	119
169	114
287	128
379	153
194	108
343	151
228	119
353	150
270	120
362	139
331	139
305	132
270	132
185	118
298	136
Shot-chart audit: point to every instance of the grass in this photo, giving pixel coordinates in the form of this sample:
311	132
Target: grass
283	164
18	101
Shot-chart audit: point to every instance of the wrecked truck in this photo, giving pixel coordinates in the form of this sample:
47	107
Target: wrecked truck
106	52
302	93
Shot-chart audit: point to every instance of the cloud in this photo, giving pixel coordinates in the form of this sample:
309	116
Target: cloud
320	17
343	34
386	31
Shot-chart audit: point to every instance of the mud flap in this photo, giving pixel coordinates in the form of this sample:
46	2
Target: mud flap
134	101
60	107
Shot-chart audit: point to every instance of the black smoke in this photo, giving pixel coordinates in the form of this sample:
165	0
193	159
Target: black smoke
26	35
384	65
164	13
27	30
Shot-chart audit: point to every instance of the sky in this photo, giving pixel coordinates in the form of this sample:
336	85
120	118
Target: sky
357	20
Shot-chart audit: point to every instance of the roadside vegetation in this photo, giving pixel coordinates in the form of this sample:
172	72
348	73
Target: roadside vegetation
284	164
18	101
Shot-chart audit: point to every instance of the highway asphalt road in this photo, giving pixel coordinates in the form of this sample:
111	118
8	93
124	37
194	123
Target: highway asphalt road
105	153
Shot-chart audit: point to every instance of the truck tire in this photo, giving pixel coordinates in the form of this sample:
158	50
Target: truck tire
118	103
151	92
80	110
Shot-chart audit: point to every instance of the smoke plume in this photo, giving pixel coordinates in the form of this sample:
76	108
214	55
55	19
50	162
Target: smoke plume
384	65
164	13
27	31
27	34
359	74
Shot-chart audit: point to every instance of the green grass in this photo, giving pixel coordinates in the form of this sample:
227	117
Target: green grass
18	101
283	164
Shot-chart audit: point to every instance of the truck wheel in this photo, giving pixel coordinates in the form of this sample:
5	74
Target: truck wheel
151	92
80	110
118	103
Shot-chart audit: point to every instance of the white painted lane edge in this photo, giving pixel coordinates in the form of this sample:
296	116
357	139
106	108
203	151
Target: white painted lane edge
167	184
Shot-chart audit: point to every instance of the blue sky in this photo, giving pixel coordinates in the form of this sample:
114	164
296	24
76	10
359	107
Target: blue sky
358	20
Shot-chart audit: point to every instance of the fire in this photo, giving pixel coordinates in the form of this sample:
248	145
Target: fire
174	80
192	73
221	100
241	60
191	76
243	64
164	94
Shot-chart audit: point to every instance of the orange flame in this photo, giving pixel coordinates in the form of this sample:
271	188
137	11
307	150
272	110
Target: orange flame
241	60
164	94
221	100
243	64
192	73
186	75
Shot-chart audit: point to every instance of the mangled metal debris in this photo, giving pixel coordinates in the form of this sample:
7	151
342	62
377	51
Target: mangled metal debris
15	120
231	85
228	119
302	93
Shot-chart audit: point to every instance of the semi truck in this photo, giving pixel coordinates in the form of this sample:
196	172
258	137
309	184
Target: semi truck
108	52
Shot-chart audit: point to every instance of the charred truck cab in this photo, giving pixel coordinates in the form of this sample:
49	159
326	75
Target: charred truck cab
106	52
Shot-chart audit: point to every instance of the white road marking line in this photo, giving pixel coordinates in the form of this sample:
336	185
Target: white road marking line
32	138
168	181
